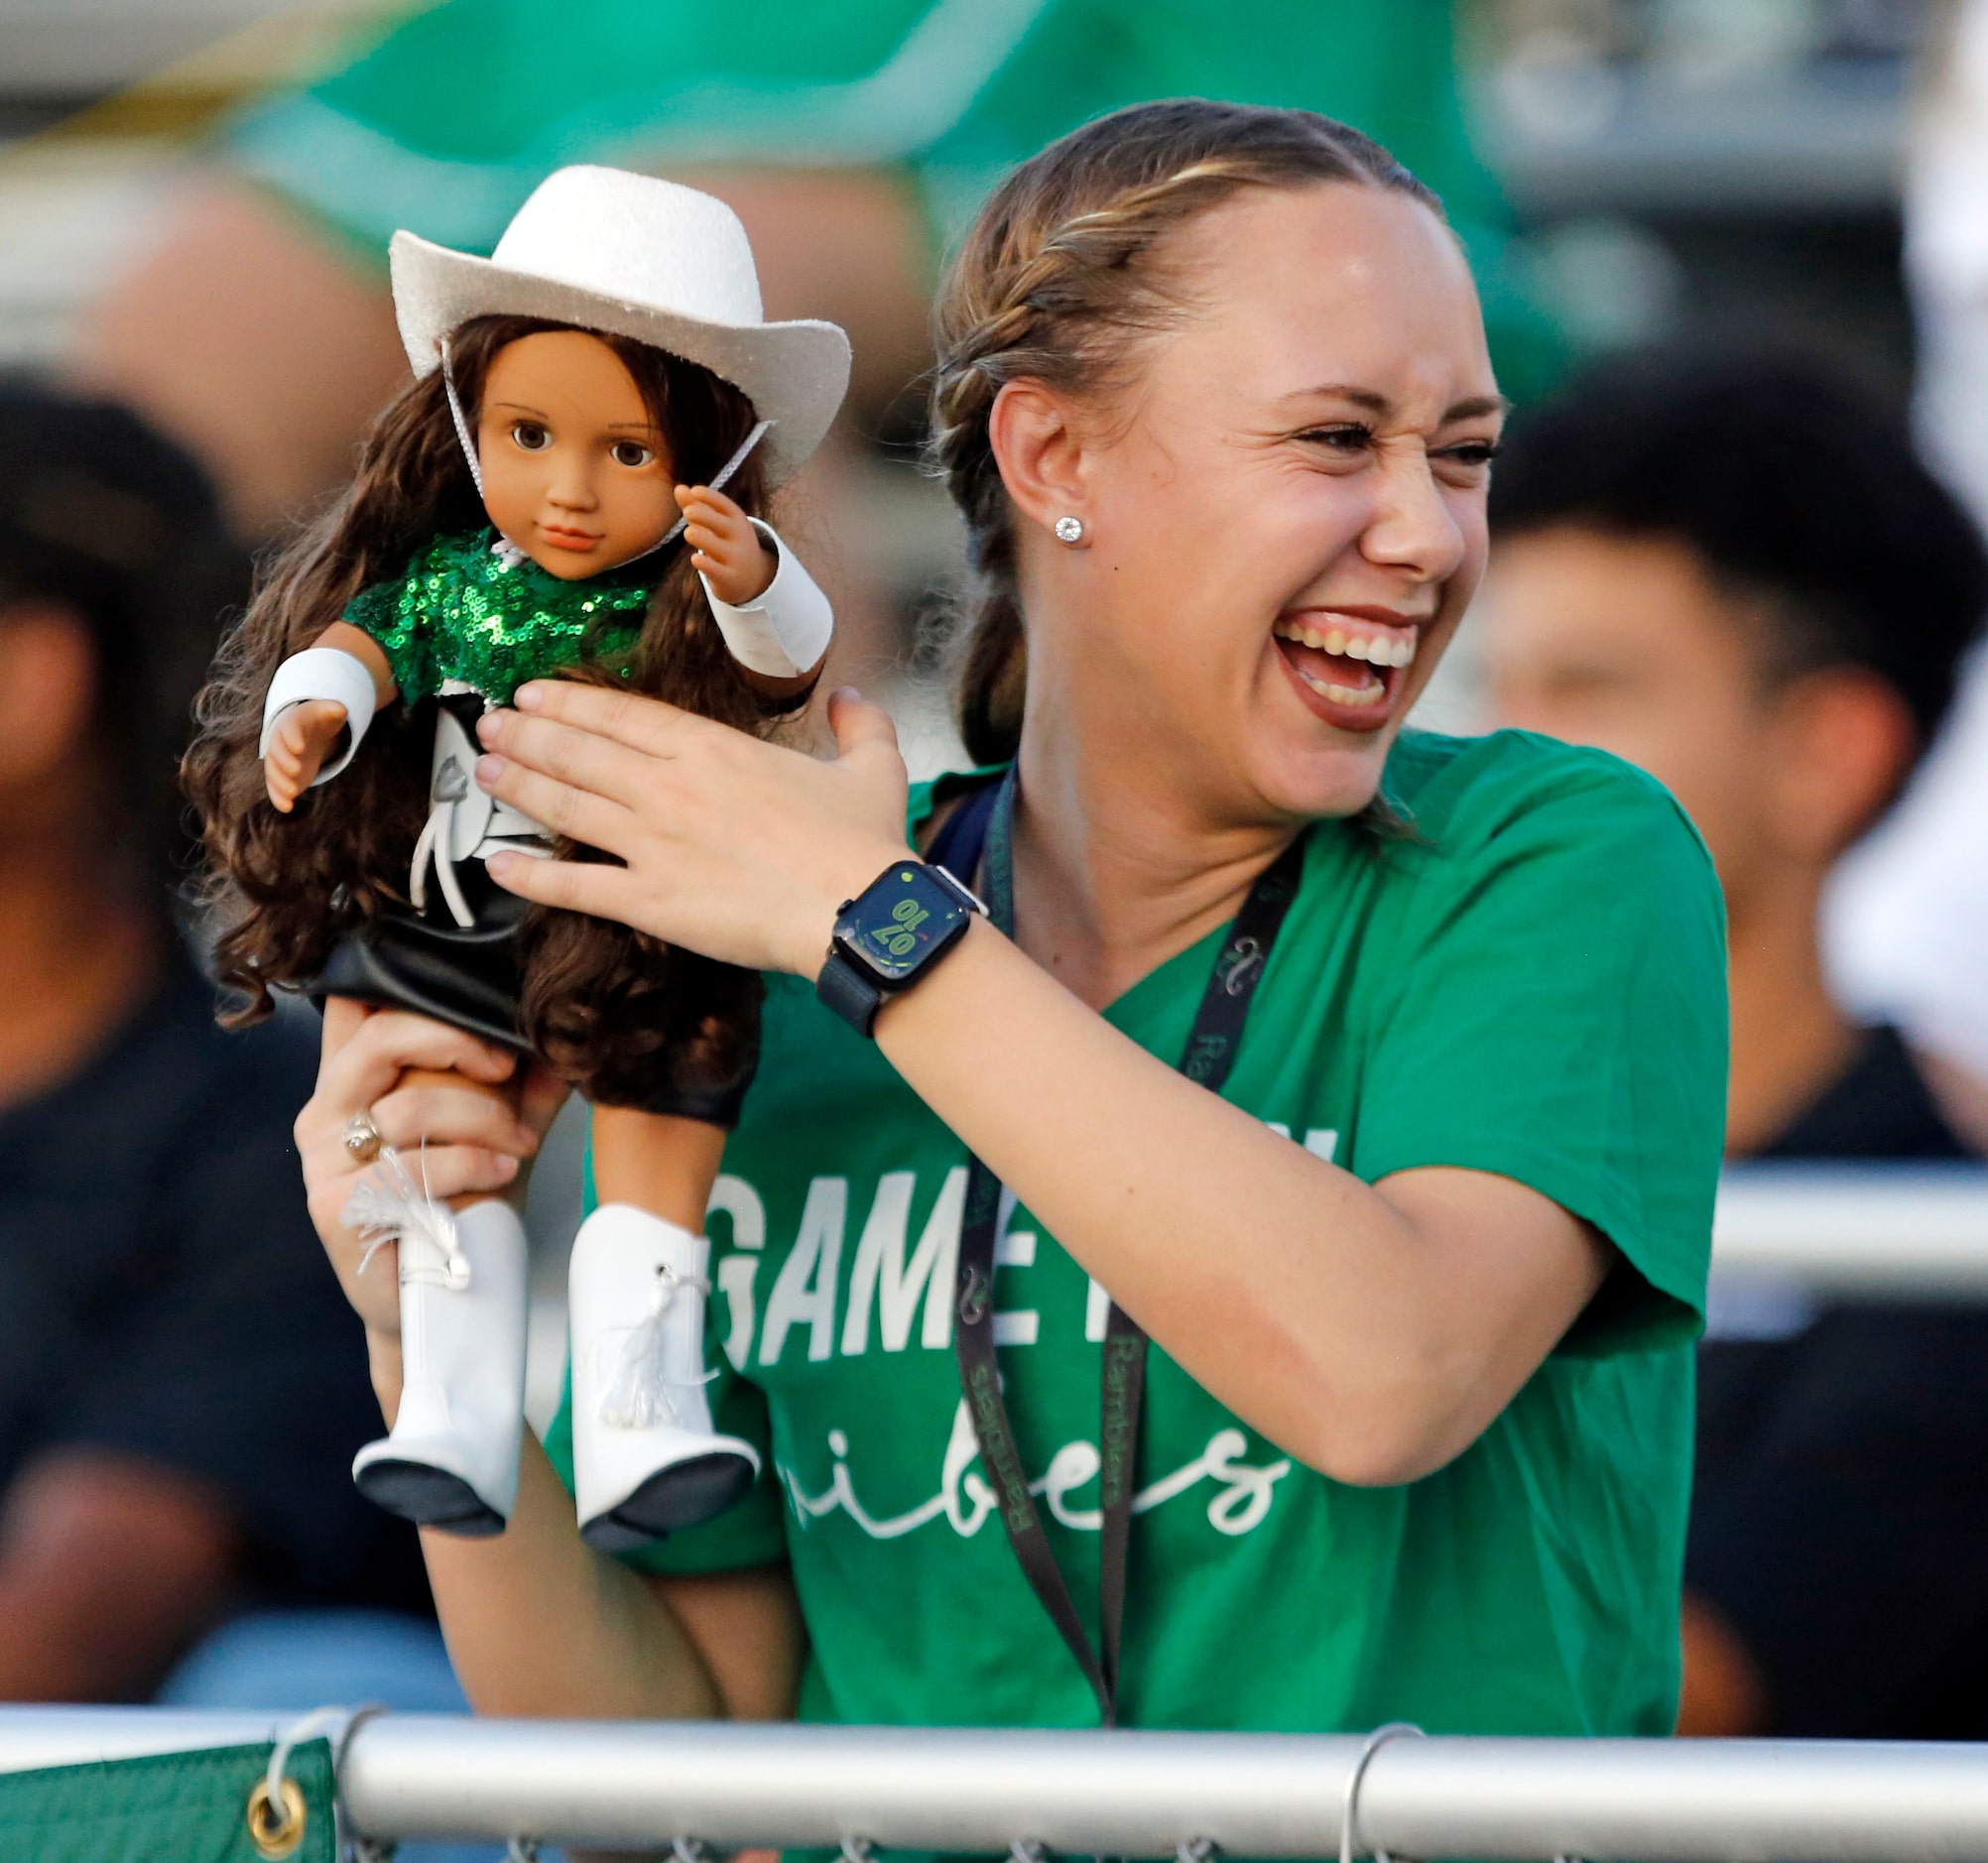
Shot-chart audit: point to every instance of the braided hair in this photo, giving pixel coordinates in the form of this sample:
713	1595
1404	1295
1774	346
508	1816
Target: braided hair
1059	281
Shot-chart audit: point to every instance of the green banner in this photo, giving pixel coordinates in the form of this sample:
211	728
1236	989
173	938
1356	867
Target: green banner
172	1807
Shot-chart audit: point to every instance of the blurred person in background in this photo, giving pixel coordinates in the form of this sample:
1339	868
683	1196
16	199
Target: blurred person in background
1906	922
181	1388
851	139
1736	573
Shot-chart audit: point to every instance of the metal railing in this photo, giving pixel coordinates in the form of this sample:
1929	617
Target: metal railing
625	1784
1885	1231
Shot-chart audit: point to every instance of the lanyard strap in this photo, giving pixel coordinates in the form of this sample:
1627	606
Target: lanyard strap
1208	1058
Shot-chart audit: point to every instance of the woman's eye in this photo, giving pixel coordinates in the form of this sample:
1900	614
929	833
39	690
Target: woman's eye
630	452
531	437
1351	438
1472	452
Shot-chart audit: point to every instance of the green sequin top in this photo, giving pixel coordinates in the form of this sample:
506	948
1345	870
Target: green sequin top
466	612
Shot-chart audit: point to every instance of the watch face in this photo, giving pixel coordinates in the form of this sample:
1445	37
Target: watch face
899	921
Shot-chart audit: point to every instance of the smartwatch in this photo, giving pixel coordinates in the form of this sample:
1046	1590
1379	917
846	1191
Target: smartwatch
890	935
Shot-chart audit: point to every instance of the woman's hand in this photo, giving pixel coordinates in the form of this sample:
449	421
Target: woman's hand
467	1119
729	552
733	847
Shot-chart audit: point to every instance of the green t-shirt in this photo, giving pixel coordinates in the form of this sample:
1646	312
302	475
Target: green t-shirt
1530	983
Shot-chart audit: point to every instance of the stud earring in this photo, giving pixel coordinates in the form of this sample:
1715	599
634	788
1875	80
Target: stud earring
1069	530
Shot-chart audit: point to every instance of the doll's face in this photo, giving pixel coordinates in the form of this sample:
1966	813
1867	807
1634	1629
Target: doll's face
575	470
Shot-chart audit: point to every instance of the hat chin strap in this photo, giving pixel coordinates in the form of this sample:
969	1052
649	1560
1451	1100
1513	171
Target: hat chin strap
463	433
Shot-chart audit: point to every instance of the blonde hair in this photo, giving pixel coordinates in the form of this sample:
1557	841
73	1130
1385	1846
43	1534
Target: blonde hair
1057	282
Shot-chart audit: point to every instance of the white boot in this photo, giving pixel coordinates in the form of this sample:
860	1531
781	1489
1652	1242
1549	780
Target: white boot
451	1458
646	1460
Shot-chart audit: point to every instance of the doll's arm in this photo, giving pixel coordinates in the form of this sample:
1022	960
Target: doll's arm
334	684
774	618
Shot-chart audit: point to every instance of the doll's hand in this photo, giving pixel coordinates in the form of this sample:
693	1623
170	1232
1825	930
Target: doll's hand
729	552
304	736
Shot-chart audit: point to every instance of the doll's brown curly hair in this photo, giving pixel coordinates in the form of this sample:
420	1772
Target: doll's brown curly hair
602	1005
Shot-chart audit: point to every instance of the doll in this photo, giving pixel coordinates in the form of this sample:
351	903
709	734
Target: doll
570	486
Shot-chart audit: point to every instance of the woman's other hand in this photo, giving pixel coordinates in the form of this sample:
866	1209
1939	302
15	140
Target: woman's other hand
733	847
298	747
728	553
469	1120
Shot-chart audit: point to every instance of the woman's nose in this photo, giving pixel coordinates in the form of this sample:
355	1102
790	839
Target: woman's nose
1412	526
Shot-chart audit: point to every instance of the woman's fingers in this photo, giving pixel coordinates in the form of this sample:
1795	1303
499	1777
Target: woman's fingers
364	1058
587	760
450	1111
454	1171
588	886
388	1041
647	725
727	845
862	730
563	807
446	1172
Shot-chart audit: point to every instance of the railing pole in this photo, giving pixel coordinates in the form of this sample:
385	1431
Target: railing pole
1133	1794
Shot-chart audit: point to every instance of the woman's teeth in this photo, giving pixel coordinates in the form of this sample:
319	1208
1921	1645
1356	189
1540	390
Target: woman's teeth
1369	694
1379	648
1348	641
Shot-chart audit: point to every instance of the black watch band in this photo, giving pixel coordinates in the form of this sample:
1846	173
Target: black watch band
850	994
889	936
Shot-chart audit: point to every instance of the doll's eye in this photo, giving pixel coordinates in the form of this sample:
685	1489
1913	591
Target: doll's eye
531	437
630	452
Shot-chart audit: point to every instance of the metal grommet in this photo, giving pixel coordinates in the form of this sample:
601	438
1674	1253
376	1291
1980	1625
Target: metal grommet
276	1824
522	1850
1196	1850
1027	1850
857	1850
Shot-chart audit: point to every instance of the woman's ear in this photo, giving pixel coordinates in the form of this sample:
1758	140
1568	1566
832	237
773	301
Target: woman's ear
1039	451
47	690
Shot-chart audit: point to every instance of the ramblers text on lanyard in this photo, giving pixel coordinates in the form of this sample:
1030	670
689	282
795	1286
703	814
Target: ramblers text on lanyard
1210	1052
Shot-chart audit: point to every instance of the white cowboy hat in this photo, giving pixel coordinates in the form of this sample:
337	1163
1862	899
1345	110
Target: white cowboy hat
634	256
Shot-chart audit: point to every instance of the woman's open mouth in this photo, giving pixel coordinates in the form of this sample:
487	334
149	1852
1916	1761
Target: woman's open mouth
1347	667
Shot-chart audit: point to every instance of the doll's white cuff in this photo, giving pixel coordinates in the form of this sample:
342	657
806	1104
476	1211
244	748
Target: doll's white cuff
787	630
322	673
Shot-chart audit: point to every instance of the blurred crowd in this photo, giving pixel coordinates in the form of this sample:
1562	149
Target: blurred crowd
1742	568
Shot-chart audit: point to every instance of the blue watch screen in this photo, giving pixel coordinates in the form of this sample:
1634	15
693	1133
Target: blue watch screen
899	921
